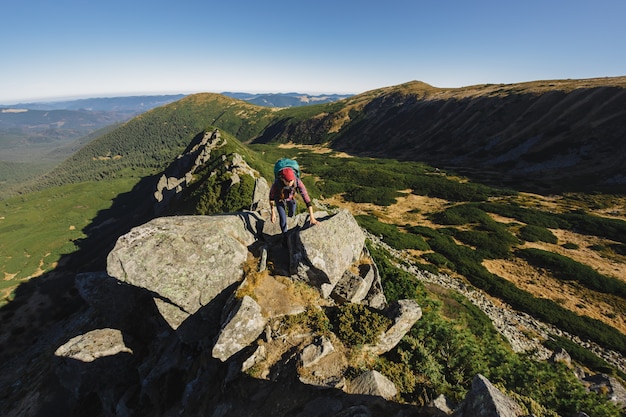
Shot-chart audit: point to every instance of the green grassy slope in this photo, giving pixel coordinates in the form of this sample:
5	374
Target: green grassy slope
149	142
37	228
99	186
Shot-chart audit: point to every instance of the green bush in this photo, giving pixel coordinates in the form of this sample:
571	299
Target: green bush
578	222
438	259
391	234
313	318
441	355
397	284
378	196
532	233
579	354
359	325
468	263
568	269
489	245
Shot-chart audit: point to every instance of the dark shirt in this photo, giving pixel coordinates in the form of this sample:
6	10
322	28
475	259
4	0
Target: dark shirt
281	192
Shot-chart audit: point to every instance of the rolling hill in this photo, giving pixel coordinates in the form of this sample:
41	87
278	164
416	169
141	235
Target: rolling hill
442	176
546	136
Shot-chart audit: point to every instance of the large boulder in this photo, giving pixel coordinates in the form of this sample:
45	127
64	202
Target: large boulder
372	383
485	400
243	326
184	261
322	254
404	314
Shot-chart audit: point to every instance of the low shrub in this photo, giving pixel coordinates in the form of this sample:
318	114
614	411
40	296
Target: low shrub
359	325
532	233
391	234
566	268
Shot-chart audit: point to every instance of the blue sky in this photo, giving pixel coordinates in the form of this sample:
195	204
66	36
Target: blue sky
69	48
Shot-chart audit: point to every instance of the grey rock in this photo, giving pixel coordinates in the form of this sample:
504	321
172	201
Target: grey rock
243	326
321	254
260	202
404	314
352	288
602	383
314	352
97	362
372	383
376	296
258	356
185	261
93	345
440	406
485	400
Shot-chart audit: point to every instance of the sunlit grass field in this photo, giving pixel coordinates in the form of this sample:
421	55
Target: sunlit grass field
37	228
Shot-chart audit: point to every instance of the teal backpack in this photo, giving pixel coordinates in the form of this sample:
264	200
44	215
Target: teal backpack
286	163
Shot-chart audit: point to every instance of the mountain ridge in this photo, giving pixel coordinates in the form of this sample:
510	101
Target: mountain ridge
533	134
457	237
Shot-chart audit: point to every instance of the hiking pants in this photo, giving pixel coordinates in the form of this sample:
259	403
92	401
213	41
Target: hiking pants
282	214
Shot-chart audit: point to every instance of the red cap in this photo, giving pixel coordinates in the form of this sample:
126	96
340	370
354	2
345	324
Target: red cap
288	174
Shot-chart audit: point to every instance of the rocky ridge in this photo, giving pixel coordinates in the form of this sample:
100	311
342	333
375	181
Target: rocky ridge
172	343
223	286
190	319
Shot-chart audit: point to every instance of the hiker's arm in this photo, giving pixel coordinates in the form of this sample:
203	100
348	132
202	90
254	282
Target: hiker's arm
307	200
272	198
273	215
312	218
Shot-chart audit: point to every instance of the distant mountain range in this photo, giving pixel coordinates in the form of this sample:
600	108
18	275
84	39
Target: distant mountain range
138	104
286	99
551	135
43	134
132	104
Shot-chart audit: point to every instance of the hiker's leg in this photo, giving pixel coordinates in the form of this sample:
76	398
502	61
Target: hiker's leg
282	217
291	205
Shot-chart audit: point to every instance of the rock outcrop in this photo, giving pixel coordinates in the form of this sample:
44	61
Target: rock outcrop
194	282
486	400
180	173
195	313
185	261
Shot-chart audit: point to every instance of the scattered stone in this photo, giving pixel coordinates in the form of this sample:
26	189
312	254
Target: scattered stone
352	288
485	400
607	385
404	314
561	355
259	355
440	406
372	383
243	326
93	345
314	352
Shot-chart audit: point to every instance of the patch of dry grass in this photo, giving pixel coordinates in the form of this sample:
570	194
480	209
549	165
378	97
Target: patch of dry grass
415	210
570	295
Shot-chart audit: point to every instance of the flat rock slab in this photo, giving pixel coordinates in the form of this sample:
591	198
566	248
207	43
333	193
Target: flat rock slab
184	260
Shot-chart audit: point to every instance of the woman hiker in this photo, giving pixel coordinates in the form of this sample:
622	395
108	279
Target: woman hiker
283	196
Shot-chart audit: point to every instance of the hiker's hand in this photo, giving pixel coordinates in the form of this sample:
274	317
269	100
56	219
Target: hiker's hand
273	216
313	221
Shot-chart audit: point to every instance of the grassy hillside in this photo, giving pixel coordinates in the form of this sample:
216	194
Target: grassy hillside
560	258
149	142
544	136
38	228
